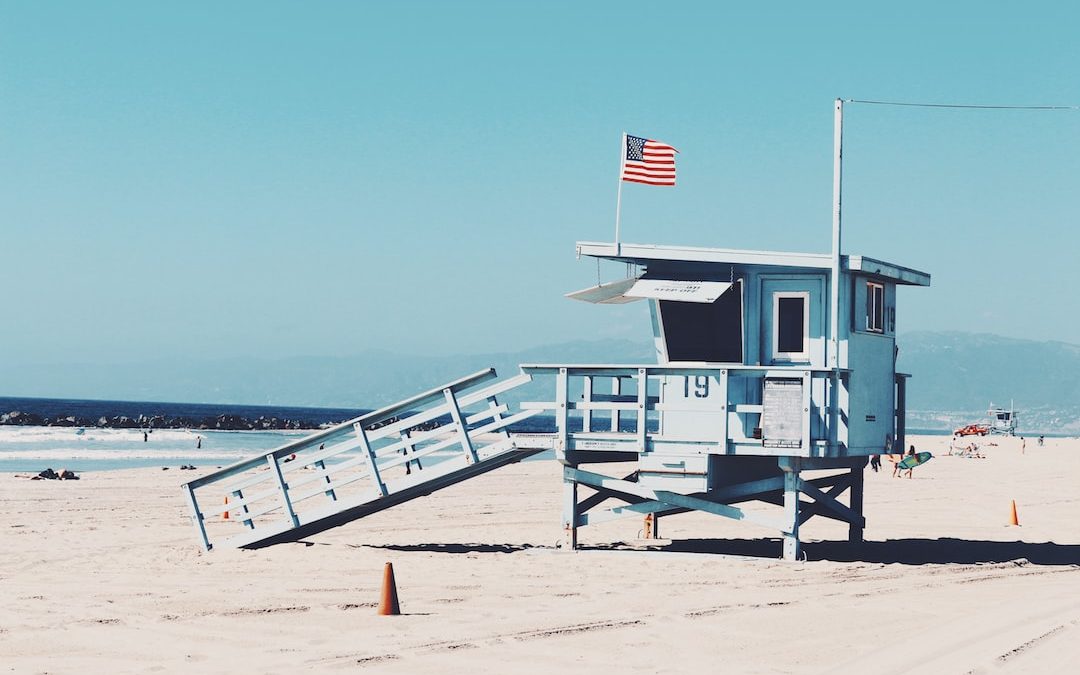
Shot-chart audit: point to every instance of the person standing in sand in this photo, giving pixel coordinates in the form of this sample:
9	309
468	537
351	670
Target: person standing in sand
875	460
910	453
1023	445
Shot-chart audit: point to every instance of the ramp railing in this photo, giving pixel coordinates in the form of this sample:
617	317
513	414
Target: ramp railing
371	457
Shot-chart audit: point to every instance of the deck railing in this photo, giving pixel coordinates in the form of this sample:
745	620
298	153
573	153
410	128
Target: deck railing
618	408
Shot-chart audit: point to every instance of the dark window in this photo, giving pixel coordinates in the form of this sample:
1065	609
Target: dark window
791	325
697	331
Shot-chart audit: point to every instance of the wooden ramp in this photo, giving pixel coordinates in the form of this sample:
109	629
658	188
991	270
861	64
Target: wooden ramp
362	466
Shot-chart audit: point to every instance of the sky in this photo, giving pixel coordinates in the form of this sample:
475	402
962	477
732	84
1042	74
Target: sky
274	179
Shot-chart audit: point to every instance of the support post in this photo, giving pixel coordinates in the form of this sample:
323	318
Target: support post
855	500
586	414
901	413
283	489
570	510
616	390
369	458
792	546
562	413
642	402
459	421
197	518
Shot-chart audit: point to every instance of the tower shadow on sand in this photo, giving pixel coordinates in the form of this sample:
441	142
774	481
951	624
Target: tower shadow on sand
902	551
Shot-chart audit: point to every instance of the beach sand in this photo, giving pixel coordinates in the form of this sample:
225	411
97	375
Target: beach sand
105	575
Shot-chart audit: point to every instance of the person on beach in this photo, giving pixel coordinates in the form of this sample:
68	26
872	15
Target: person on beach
895	459
1023	445
910	453
1040	441
875	460
144	437
198	442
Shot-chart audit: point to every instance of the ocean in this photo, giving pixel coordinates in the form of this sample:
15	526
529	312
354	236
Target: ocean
90	448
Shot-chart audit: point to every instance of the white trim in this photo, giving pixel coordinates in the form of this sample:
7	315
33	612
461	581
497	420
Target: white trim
778	355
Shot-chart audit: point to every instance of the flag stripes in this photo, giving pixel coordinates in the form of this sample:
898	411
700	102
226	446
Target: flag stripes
648	161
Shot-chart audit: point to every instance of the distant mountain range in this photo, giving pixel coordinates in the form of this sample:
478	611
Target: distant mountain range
955	377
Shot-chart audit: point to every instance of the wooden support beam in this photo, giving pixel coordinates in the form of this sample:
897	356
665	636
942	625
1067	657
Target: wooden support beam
792	545
671	498
744	491
603	495
855	501
831	503
570	510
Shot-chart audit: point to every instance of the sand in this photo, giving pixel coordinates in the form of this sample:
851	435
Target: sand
105	575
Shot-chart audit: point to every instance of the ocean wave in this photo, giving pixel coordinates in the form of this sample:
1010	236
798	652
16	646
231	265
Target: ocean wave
96	435
72	454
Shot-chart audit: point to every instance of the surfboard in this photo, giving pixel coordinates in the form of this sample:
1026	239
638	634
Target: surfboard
911	461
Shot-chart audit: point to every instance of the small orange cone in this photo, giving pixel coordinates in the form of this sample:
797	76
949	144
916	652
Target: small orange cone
388	604
1012	519
225	516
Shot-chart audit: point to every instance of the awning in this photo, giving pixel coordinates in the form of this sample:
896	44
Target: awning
629	290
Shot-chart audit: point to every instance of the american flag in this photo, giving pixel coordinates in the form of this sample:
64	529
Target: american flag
648	161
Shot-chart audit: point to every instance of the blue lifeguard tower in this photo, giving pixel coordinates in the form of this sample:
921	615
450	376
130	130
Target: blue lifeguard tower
754	384
757	379
768	365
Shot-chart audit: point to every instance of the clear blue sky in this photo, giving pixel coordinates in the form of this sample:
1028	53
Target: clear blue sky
277	179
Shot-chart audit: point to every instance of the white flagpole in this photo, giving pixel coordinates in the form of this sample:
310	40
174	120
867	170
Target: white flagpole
838	174
618	200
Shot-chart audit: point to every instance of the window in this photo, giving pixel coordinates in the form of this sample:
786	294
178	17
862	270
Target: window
790	323
705	331
875	307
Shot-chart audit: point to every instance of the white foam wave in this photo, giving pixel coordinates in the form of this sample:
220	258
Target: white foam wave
43	434
84	453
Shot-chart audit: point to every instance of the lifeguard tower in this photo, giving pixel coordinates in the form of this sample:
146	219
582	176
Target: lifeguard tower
768	365
755	383
757	379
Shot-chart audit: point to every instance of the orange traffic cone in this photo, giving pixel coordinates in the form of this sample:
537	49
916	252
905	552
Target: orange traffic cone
1012	518
388	604
225	516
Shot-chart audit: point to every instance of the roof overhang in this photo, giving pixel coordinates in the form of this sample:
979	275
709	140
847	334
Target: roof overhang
884	270
644	254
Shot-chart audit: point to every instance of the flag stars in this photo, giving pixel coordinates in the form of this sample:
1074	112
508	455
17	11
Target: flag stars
634	148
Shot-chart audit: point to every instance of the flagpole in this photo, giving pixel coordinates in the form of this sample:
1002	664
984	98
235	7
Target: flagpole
838	157
618	200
